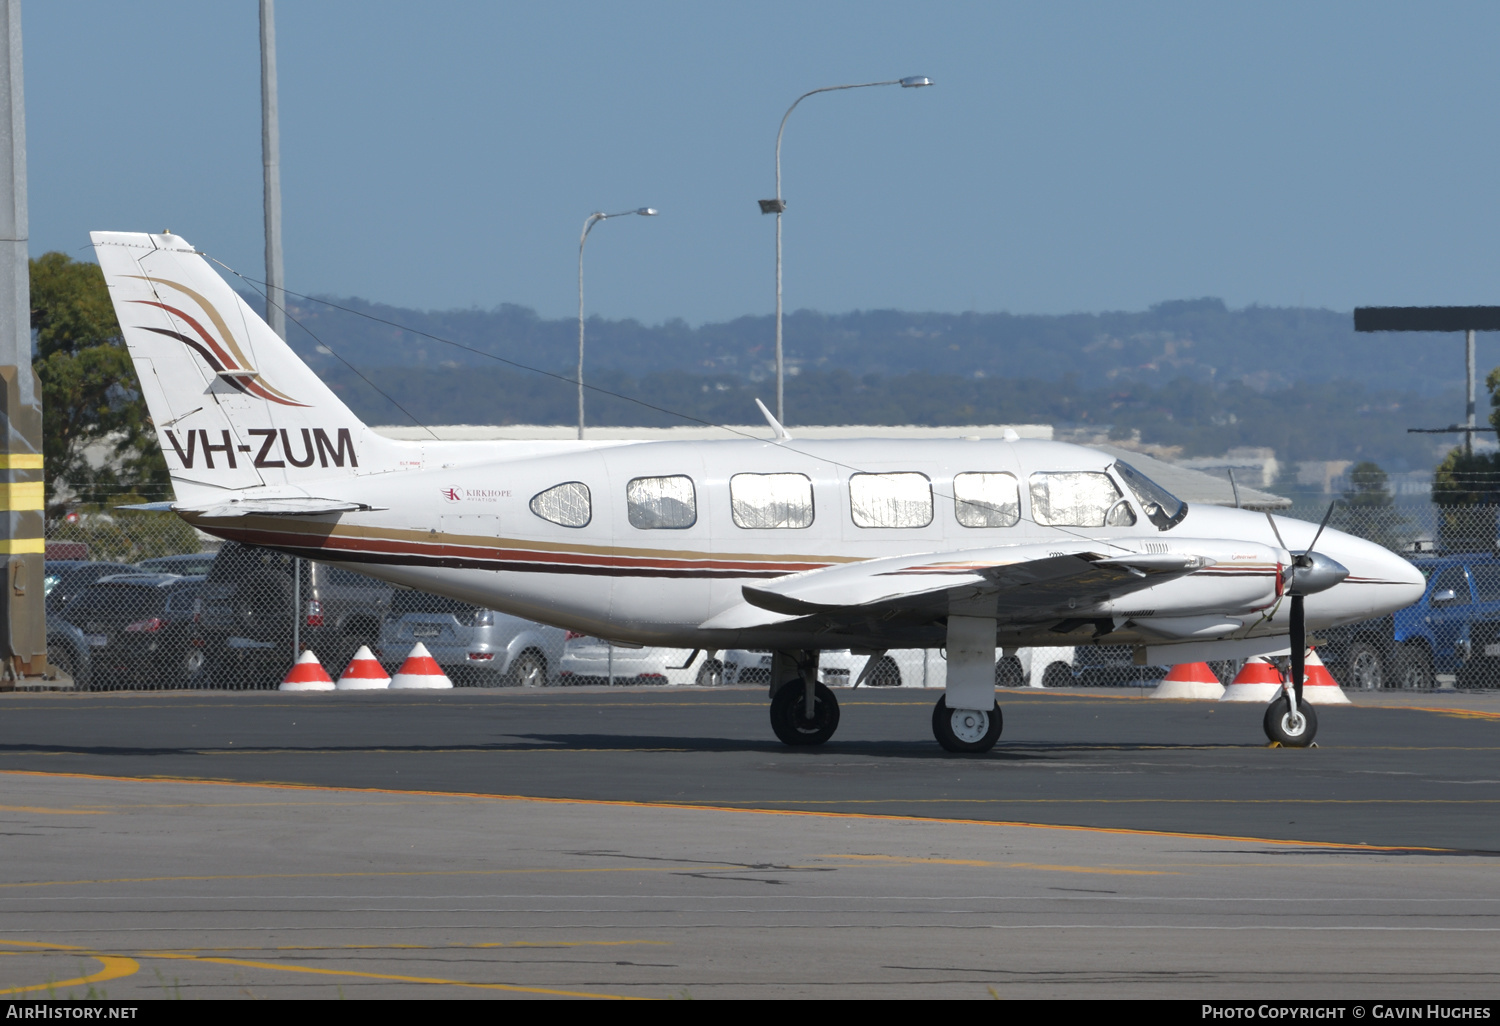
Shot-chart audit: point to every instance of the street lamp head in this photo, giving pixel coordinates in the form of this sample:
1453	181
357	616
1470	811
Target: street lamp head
915	82
647	211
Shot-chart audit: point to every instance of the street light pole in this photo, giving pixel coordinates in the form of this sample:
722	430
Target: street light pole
777	206
588	226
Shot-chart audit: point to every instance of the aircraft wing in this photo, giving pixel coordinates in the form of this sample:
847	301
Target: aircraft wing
1018	583
294	506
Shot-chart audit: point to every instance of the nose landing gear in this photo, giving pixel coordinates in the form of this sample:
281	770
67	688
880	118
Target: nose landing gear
1289	729
966	730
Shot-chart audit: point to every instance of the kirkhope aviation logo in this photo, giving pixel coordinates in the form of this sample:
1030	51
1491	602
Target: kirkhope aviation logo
475	494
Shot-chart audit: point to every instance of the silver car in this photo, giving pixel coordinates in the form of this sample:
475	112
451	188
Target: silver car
476	647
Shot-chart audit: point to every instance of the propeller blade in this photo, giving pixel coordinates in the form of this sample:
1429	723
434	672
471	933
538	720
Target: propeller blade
1324	524
1299	646
1272	521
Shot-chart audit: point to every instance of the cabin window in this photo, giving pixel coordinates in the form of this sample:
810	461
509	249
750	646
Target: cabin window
1078	499
567	504
771	500
890	500
662	503
987	500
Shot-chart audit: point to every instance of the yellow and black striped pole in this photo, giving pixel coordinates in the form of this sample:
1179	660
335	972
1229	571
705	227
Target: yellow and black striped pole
23	631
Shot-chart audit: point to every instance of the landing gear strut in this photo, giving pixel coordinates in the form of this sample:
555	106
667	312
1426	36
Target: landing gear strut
966	730
789	717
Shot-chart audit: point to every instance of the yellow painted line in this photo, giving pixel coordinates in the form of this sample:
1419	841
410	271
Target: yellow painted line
1468	714
21	547
287	968
115	967
54	812
21	461
607	803
22	495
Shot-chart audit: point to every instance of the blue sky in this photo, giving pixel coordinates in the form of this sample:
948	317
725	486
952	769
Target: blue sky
1071	156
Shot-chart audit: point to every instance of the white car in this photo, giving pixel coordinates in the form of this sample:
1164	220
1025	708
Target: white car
588	660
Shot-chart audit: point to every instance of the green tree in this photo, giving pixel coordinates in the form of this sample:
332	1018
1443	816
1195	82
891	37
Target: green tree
1368	510
91	397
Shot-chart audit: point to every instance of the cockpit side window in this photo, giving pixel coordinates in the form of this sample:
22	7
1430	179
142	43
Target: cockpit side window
657	503
1074	498
986	500
1162	508
567	504
890	500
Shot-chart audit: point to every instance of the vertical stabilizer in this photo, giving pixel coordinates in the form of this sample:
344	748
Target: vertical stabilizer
233	406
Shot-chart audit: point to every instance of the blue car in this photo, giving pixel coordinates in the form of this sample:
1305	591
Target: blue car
1433	635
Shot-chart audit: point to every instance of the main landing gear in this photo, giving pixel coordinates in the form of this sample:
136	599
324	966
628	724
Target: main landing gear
966	730
789	717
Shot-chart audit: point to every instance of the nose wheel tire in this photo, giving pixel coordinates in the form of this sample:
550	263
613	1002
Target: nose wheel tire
1291	731
789	714
966	730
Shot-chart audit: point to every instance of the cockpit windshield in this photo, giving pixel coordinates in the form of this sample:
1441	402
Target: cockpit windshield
1162	508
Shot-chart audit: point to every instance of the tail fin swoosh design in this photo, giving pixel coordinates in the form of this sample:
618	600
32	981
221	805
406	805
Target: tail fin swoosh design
233	405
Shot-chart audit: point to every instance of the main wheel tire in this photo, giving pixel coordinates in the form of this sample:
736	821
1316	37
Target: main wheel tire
711	674
1288	731
1058	675
966	730
789	714
1414	668
528	671
1009	673
1366	667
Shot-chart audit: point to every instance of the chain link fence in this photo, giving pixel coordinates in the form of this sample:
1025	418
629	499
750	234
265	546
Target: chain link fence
141	600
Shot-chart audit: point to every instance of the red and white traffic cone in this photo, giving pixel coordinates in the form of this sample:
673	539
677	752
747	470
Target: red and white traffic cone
1318	685
420	671
1257	681
307	674
1189	680
364	673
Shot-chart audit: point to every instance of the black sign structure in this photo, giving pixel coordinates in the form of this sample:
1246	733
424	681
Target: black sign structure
1467	319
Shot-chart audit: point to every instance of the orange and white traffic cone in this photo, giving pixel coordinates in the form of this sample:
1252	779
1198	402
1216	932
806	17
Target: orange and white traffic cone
1257	681
1189	680
420	671
364	673
307	674
1318	685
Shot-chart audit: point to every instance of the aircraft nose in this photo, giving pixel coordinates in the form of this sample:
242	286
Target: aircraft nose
1399	582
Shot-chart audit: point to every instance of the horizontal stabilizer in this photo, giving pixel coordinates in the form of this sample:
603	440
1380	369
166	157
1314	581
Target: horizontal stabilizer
291	506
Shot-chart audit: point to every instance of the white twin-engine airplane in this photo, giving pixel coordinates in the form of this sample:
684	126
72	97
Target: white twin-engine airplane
792	546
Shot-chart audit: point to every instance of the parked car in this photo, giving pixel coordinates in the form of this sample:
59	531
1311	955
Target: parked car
1433	635
587	660
68	652
246	615
132	636
837	668
193	564
64	579
473	645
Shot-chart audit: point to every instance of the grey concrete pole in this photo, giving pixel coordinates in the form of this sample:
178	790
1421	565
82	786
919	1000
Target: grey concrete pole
1469	363
270	148
21	479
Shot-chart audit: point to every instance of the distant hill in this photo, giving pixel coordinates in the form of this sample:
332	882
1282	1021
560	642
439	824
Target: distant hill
1197	340
1191	374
